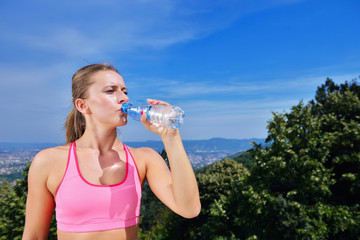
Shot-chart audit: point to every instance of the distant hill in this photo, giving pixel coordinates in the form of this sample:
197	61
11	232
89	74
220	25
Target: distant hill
200	152
214	144
205	152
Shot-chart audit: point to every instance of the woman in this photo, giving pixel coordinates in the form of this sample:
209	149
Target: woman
94	181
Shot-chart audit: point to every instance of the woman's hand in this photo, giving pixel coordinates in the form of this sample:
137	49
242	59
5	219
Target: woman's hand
157	128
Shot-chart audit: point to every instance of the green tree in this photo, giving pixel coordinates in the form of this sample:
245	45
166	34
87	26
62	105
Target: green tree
340	106
215	182
245	159
305	183
12	209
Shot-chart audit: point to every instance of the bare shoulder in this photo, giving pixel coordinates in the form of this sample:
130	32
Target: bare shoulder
48	158
143	153
48	167
147	156
143	150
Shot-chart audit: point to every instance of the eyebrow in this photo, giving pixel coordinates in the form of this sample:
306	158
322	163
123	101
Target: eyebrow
115	86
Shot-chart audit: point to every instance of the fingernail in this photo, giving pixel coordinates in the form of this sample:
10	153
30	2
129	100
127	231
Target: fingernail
142	112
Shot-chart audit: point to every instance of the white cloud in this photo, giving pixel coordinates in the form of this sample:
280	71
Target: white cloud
90	28
235	86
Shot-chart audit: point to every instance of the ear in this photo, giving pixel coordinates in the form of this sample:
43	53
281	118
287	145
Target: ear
81	106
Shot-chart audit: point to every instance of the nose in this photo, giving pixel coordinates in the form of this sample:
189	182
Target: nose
122	98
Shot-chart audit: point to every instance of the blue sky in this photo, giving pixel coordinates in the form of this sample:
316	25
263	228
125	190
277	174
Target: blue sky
229	64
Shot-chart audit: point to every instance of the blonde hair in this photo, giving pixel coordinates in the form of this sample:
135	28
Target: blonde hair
75	123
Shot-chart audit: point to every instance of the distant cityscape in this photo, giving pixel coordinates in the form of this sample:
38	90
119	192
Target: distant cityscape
13	156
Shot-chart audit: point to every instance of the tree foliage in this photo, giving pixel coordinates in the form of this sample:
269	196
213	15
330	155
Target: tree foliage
12	208
215	182
305	184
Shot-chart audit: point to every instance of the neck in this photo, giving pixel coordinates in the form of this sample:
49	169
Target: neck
101	139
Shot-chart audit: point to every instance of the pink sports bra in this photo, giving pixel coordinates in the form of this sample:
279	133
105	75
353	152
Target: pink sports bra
85	207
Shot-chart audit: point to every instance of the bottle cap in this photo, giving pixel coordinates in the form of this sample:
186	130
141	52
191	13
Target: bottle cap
125	107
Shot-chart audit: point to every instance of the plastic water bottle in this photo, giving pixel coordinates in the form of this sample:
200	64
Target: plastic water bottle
169	116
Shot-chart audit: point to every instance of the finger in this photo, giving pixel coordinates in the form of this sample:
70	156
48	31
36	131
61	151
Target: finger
157	102
144	119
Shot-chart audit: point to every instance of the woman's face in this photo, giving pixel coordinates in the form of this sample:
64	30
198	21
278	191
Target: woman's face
105	97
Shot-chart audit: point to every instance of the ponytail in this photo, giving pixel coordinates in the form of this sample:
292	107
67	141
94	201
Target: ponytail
74	125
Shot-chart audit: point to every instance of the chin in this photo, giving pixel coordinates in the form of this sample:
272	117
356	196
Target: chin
123	121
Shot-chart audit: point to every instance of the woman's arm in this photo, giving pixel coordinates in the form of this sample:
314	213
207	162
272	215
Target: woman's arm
40	202
176	188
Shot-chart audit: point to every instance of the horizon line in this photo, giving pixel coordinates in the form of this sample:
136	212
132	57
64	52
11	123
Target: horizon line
253	138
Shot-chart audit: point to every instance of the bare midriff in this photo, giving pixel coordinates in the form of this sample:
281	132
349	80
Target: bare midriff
129	233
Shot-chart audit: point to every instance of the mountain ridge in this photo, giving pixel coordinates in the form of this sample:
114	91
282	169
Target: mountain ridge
225	144
13	156
215	144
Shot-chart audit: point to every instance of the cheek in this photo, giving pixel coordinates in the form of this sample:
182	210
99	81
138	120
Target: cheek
101	104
